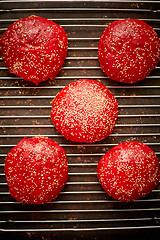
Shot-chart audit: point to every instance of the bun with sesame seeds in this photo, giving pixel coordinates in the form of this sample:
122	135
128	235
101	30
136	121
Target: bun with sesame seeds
129	171
84	111
36	170
128	50
34	48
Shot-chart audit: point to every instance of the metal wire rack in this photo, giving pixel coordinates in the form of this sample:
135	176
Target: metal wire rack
82	208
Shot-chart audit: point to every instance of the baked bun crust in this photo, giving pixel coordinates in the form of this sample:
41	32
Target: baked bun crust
84	111
129	171
34	48
128	50
36	170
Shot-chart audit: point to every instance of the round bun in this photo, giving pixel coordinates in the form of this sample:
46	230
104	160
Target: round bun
84	111
36	170
128	50
34	48
129	171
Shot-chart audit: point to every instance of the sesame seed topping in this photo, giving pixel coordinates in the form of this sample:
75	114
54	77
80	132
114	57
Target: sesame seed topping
84	111
129	171
129	50
34	48
36	170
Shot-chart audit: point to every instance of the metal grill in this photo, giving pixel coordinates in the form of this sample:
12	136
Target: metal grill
82	209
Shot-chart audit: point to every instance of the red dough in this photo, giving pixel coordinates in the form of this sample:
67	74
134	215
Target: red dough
36	170
128	50
129	171
84	111
34	48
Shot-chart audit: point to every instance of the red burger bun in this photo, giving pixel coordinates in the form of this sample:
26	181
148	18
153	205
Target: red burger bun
128	50
129	171
84	111
36	170
34	48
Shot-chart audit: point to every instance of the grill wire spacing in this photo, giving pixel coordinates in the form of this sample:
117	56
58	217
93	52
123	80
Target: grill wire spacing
82	210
